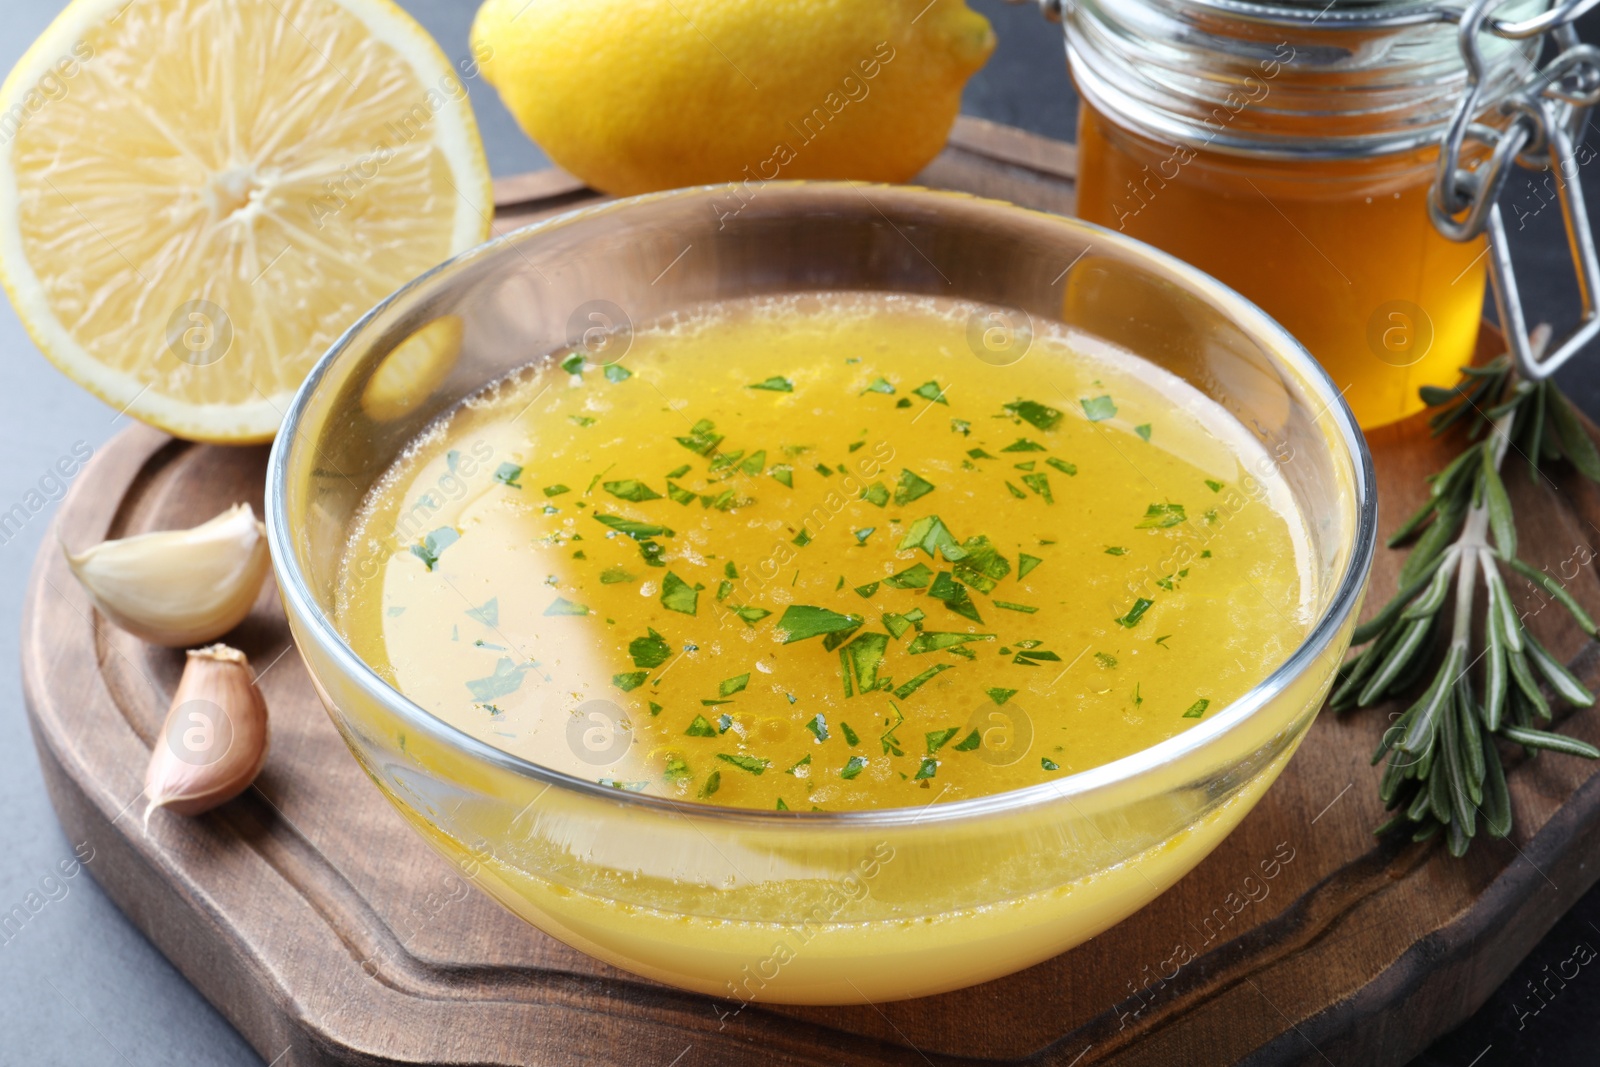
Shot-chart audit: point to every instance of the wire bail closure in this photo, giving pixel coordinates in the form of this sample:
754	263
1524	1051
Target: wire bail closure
1542	121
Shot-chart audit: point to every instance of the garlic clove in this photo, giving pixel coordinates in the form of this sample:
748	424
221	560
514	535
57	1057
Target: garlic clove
179	587
214	740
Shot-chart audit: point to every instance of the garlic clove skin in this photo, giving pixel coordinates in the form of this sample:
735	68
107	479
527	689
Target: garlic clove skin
214	740
179	587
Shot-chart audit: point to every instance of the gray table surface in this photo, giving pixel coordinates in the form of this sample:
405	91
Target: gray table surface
79	985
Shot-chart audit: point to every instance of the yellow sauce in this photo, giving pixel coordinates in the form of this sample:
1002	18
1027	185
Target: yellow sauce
815	553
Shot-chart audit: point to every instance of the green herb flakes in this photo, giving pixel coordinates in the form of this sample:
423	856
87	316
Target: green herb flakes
616	372
775	384
1039	483
1009	606
562	606
1000	696
506	679
932	536
1025	565
916	683
631	489
639	531
1135	613
678	595
488	614
1022	444
876	493
1116	550
931	391
701	727
1197	710
783	474
615	575
879	385
853	767
1161	516
937	642
701	439
750	615
862	534
917	576
819	729
679	494
730	686
859	662
1105	660
1099	408
1049	764
802	621
961	426
434	544
1069	469
649	651
1041	415
927	769
912	487
1215	487
982	566
851	738
745	763
630	681
1143	430
713	780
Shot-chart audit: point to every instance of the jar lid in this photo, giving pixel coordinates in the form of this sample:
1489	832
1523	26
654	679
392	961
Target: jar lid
1335	14
1287	79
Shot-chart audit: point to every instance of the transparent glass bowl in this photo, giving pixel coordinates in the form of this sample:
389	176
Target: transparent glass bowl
816	907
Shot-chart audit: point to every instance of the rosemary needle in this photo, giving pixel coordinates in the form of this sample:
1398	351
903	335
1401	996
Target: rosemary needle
1442	764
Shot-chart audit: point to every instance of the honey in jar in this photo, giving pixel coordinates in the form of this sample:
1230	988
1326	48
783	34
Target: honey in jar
1293	158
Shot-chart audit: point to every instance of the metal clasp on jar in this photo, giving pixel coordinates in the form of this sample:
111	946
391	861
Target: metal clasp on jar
1541	120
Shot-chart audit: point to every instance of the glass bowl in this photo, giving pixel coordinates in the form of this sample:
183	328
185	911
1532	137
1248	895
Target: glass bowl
790	906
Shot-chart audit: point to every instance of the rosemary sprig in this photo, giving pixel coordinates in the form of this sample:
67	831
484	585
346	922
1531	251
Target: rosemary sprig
1442	766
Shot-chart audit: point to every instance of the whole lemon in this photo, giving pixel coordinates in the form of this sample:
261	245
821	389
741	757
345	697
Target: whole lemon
639	95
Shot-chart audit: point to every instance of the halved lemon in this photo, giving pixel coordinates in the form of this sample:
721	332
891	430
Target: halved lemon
198	196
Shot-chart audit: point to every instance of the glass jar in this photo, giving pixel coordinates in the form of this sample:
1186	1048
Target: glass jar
1291	154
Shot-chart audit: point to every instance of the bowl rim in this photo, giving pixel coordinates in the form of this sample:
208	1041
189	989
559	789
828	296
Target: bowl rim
1345	600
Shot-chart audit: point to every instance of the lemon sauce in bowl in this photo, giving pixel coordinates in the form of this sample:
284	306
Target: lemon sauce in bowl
808	553
866	595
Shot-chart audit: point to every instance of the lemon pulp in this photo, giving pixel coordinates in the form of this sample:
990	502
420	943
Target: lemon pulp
197	198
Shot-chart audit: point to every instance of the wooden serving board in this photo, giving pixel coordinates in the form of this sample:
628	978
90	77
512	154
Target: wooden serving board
328	932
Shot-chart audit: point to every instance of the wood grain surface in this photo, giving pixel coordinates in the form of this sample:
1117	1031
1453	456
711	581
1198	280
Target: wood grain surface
329	933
